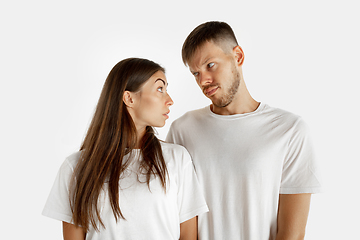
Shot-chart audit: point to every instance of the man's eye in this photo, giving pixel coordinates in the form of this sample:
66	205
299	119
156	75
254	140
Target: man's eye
210	65
160	89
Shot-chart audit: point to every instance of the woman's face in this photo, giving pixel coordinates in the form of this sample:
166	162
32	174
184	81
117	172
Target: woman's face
151	104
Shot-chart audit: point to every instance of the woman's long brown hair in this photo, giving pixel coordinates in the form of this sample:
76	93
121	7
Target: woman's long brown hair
112	135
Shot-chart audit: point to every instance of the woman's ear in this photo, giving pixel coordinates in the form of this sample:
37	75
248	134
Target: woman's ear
127	98
239	55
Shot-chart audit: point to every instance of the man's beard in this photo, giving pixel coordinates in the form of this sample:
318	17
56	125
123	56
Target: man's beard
230	93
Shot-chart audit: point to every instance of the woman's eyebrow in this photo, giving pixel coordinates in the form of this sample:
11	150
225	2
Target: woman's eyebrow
159	79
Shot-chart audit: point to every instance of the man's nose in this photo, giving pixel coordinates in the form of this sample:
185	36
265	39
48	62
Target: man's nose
205	78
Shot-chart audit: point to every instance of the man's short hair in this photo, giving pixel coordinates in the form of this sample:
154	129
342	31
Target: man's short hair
219	33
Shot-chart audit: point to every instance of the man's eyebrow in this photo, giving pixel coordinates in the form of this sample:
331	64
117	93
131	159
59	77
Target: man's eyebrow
159	79
193	72
206	60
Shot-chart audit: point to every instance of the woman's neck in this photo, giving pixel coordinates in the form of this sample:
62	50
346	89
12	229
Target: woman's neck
140	133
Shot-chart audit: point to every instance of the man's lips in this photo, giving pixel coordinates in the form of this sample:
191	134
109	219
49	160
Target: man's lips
209	91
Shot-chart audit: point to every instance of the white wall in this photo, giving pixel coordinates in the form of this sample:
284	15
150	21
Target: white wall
301	56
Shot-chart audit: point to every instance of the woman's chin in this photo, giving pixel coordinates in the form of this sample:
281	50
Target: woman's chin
159	125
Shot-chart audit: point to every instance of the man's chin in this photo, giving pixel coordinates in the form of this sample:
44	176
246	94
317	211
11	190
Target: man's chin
221	104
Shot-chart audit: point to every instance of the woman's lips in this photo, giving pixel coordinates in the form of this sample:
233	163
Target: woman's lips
166	115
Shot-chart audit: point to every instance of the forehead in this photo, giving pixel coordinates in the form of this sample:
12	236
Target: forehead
203	53
159	76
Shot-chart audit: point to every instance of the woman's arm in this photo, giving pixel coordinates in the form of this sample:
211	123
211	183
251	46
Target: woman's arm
188	229
72	232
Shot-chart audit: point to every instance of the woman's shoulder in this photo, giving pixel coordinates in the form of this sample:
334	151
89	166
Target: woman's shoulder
175	152
173	147
72	160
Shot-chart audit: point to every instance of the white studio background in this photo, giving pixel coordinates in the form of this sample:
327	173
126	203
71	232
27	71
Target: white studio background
302	56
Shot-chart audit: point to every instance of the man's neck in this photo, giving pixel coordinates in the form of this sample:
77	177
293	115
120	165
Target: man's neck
232	109
242	103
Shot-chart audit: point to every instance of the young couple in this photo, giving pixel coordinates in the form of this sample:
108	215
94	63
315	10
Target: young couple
254	164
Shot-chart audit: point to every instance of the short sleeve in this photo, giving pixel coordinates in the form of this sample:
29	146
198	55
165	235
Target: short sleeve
300	171
57	205
191	201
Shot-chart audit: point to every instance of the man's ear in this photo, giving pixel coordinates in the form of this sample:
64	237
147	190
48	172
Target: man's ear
127	99
239	55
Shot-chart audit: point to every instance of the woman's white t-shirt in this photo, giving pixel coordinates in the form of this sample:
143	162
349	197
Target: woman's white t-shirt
149	214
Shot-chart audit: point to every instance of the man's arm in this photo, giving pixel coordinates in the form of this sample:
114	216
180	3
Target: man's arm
292	216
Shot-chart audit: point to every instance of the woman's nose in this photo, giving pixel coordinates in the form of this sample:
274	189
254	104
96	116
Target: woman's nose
169	100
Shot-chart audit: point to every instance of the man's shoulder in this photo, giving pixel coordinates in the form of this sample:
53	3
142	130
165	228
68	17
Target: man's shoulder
190	116
285	118
281	114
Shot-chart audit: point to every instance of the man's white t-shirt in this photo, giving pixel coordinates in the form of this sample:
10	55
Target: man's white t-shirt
243	162
149	214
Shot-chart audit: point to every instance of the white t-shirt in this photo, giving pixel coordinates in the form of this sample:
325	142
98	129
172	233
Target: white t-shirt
149	215
243	162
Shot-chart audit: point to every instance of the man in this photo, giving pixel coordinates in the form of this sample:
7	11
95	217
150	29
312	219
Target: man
254	162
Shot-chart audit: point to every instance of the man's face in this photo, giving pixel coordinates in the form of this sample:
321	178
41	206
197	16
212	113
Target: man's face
216	73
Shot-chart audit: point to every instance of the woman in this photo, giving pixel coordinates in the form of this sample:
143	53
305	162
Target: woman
124	183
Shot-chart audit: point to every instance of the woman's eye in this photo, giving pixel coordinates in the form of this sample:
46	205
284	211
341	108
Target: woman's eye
160	89
210	65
